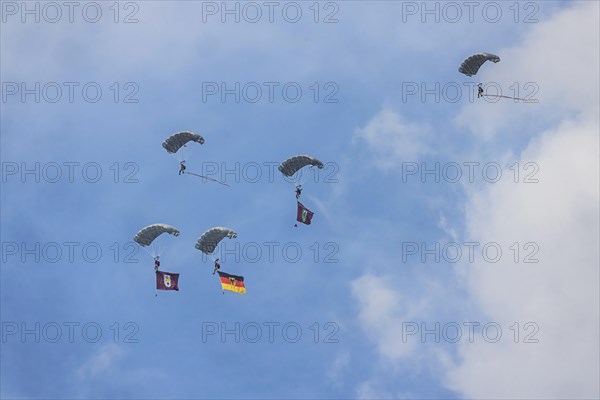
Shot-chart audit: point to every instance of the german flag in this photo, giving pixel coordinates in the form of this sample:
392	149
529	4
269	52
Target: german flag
232	282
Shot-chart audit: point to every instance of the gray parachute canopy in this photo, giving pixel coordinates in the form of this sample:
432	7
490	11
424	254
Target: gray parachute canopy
178	140
211	238
290	166
472	64
147	235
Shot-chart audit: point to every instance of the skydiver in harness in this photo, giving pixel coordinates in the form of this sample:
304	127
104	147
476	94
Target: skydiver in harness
182	167
217	266
156	263
479	91
298	193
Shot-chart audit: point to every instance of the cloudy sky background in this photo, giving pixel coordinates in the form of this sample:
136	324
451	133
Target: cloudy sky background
370	295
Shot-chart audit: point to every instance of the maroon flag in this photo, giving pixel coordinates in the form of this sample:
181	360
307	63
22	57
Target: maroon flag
166	281
304	214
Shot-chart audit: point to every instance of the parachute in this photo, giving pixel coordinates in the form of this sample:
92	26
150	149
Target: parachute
472	64
148	238
180	139
146	235
211	238
290	166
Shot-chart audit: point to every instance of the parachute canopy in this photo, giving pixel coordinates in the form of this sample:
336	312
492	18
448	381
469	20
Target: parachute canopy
178	140
147	235
472	64
211	238
290	166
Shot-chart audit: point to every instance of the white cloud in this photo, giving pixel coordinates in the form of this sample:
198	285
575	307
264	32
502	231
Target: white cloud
560	214
448	230
560	293
371	390
382	313
393	140
340	364
101	361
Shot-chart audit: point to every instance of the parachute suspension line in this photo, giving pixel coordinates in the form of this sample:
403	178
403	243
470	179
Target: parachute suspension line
185	154
156	248
303	179
306	176
216	252
148	251
298	180
163	247
154	251
159	248
177	156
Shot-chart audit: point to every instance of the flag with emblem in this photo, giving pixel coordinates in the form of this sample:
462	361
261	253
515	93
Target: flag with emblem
234	283
304	214
167	281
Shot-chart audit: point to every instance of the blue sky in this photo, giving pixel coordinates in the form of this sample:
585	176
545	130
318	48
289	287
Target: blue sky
365	217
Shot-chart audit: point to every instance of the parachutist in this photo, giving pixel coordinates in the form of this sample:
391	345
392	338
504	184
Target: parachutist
479	91
217	266
156	263
182	167
298	191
